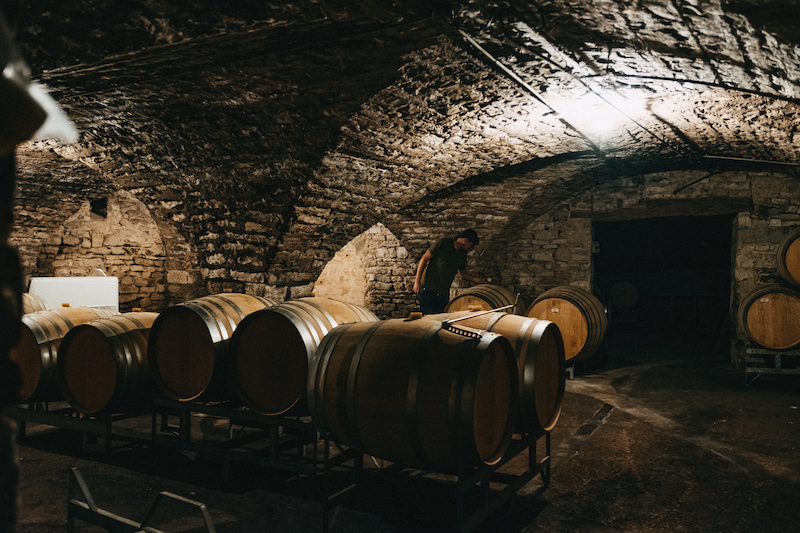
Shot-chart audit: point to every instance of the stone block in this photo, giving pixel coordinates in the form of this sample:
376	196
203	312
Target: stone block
113	240
257	277
178	277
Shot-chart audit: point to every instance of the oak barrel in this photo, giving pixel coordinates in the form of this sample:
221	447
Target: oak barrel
579	315
188	343
37	351
789	258
539	350
770	316
414	393
485	297
271	350
32	303
102	365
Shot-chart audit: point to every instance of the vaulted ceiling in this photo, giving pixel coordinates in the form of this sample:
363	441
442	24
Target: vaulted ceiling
312	120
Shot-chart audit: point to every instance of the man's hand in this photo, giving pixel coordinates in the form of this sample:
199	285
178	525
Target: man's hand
469	276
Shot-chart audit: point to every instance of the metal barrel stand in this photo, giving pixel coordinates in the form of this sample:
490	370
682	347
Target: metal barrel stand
759	361
98	431
496	487
271	441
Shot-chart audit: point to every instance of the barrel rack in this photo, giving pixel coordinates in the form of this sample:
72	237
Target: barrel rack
98	432
506	485
281	443
290	444
759	361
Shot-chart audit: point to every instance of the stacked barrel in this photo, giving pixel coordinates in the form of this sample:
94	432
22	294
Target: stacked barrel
102	361
578	314
102	364
32	303
539	354
486	297
272	349
769	315
188	344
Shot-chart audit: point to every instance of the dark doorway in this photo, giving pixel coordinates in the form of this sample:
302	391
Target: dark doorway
665	283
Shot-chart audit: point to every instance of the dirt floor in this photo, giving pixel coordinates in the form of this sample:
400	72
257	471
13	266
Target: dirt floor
657	438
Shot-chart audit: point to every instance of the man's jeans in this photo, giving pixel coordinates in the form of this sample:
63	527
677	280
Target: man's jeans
432	302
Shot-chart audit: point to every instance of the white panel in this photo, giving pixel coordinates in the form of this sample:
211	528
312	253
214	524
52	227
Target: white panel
89	291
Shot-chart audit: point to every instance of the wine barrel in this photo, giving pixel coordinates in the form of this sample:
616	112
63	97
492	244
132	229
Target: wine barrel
188	343
415	394
32	303
37	351
485	297
770	317
789	258
539	350
102	365
579	315
270	351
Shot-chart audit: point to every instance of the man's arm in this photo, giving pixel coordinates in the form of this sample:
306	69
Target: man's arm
469	276
423	264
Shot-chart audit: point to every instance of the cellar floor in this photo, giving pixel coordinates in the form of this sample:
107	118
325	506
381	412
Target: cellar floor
656	438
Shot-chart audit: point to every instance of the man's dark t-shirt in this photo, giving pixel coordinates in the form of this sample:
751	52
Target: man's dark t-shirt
443	266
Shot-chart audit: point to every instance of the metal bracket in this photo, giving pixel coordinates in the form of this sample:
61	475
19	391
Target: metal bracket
469	332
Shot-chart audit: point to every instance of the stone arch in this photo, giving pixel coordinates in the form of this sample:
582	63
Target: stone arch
118	236
373	270
344	278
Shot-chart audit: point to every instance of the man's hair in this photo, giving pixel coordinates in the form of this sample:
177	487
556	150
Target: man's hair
470	234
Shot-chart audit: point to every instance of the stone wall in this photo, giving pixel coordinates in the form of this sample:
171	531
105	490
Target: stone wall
344	278
115	235
390	275
776	212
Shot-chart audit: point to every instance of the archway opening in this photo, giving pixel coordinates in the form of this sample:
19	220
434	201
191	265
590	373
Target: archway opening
344	278
666	285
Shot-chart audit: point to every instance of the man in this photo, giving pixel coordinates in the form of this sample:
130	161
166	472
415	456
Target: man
438	267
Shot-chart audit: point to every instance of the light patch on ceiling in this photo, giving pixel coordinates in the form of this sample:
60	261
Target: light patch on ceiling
599	115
